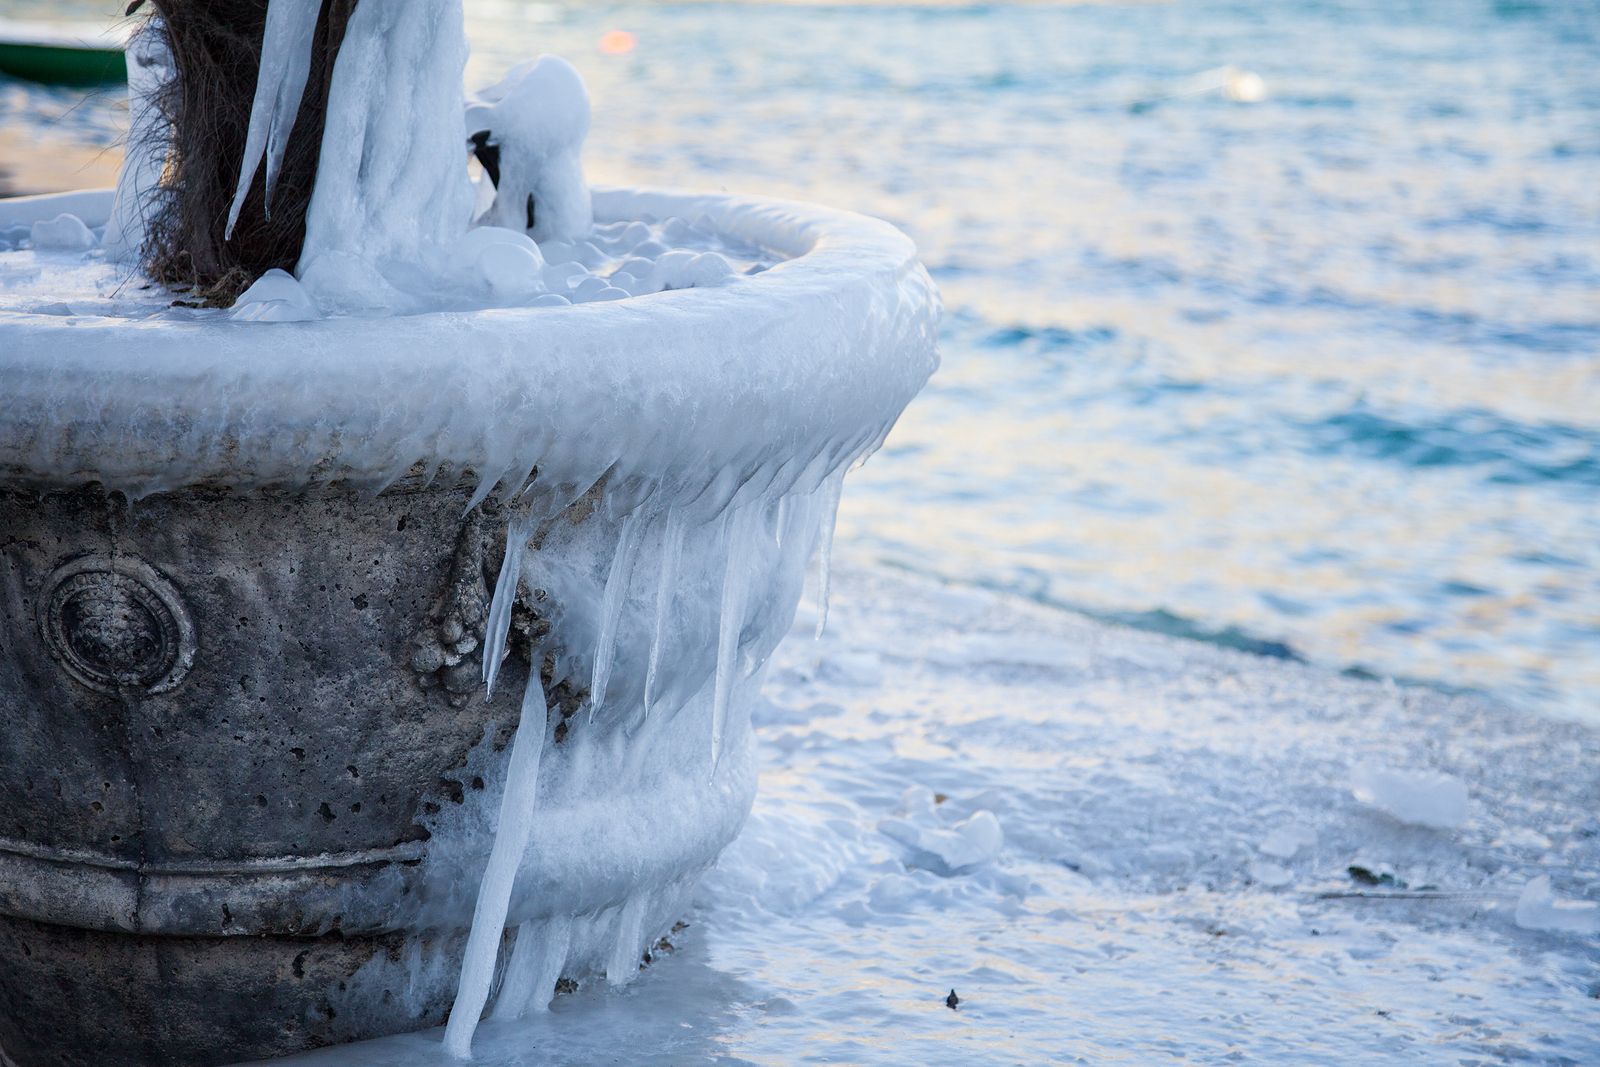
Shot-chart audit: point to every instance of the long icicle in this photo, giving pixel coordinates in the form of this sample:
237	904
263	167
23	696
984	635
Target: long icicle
536	962
830	519
611	608
666	590
729	625
500	874
280	83
505	596
622	966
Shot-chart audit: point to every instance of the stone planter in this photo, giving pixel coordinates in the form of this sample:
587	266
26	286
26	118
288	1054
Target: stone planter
244	585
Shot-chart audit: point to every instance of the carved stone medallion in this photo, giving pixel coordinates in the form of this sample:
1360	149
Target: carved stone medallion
117	625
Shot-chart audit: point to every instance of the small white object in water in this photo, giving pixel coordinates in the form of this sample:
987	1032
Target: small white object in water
64	233
1244	86
1421	798
708	268
537	117
1538	908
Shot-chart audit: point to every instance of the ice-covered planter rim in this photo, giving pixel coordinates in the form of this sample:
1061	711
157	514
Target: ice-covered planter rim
786	373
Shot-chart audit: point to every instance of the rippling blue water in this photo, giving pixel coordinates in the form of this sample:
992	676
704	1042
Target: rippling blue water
1317	373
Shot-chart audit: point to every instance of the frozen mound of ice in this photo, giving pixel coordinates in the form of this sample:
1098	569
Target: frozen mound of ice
1538	908
535	121
937	840
392	189
65	232
1421	798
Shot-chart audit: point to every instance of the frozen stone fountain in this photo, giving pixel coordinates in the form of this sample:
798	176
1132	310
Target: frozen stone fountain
380	650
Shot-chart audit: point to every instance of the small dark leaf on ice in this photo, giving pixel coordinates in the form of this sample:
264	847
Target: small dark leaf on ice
1367	877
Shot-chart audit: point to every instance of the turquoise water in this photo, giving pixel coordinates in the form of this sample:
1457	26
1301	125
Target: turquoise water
1316	373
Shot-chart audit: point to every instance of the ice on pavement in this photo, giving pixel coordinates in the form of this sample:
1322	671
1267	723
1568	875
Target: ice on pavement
1419	797
1538	908
1136	785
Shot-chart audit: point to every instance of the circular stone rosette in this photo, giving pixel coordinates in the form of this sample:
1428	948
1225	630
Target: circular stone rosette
117	625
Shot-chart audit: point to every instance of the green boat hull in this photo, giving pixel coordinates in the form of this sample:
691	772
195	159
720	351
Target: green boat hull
62	64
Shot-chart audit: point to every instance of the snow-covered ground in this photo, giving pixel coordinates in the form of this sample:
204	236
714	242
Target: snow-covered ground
1114	846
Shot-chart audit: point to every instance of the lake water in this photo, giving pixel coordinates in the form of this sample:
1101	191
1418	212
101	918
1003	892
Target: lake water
1276	324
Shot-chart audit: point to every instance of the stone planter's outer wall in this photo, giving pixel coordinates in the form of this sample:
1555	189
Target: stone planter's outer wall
215	755
197	692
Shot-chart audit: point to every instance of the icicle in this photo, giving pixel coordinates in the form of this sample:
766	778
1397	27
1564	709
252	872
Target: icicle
536	962
623	966
285	63
830	518
505	856
735	586
505	595
611	608
666	589
783	517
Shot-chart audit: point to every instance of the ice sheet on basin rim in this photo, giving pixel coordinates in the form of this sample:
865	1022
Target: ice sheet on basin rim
801	368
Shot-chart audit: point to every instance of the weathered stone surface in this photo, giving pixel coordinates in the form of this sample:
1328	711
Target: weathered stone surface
78	998
223	720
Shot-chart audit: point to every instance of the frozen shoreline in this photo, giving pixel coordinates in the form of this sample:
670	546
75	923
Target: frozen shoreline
1142	902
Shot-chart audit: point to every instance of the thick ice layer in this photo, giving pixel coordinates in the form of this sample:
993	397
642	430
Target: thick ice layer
590	829
392	192
776	380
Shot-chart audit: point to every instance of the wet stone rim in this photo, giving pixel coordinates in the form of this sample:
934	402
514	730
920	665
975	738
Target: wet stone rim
117	624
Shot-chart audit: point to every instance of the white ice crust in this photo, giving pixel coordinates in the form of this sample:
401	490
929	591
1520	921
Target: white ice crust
392	189
791	372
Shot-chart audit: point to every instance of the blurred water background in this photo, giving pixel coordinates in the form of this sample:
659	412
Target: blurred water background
1276	324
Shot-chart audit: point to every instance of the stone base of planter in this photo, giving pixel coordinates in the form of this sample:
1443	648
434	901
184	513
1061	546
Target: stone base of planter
218	763
233	722
84	998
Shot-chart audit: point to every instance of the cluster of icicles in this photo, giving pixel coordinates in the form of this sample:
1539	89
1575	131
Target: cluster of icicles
391	191
541	946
